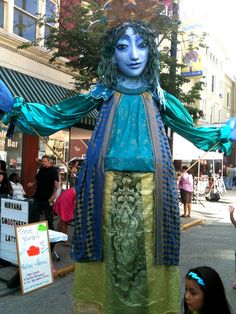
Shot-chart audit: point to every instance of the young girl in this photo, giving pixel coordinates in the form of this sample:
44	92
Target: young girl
204	292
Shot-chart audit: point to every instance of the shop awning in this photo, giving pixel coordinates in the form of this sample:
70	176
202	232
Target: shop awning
35	90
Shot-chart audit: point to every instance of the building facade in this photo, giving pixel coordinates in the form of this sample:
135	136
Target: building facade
28	73
209	64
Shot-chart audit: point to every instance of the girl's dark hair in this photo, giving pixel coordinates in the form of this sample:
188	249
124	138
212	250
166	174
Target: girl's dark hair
3	165
107	69
5	187
215	301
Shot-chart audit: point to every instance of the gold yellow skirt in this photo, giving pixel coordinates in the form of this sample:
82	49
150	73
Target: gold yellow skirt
127	281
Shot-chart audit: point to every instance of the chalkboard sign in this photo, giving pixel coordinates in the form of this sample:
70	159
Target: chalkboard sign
34	256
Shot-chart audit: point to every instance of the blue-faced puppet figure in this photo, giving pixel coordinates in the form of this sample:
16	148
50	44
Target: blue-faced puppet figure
126	238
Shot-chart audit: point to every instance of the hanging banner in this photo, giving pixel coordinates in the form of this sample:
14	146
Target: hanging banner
34	256
13	213
191	55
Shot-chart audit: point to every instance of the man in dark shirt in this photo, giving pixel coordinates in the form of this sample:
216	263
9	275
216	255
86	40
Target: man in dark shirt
47	183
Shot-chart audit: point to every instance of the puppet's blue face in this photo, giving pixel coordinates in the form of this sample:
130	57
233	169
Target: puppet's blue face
131	54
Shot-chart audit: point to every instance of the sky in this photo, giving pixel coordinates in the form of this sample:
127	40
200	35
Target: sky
219	17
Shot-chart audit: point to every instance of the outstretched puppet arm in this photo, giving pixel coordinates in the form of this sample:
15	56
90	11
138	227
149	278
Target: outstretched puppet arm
179	120
47	120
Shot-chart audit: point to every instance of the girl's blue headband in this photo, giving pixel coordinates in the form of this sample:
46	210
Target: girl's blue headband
194	276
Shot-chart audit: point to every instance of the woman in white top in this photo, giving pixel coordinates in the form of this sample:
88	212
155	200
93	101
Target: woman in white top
18	190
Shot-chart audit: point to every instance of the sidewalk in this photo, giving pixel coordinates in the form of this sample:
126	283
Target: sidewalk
201	212
63	265
196	218
203	209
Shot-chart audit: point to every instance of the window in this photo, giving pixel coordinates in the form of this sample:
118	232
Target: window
228	99
30	6
220	116
25	18
50	11
221	87
26	14
1	13
212	114
213	83
11	149
203	105
50	16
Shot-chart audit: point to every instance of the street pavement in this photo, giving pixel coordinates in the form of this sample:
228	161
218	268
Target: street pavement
203	212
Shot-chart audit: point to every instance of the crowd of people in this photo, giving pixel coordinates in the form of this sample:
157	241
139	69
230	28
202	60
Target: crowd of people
211	185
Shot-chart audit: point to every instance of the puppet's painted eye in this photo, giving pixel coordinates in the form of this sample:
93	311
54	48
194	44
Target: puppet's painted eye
143	44
121	46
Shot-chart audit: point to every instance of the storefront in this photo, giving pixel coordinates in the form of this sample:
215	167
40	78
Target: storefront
65	146
11	149
22	150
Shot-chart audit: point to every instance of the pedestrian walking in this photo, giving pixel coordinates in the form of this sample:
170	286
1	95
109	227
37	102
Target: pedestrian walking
204	292
186	189
230	172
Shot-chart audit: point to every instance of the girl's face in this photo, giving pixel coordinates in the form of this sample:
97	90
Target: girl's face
194	295
131	54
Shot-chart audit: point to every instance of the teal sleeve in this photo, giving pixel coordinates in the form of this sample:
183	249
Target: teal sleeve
176	117
47	120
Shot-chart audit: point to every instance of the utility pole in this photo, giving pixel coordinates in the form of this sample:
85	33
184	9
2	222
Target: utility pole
173	54
174	44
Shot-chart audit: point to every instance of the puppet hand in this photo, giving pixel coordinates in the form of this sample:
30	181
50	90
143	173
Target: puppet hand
6	98
231	208
232	124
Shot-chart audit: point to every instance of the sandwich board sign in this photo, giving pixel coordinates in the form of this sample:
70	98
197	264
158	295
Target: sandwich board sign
34	256
13	212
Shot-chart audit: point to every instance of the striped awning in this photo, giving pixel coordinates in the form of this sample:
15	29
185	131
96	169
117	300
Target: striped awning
38	91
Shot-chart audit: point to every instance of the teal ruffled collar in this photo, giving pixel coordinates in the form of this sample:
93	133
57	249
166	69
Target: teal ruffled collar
133	91
100	91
